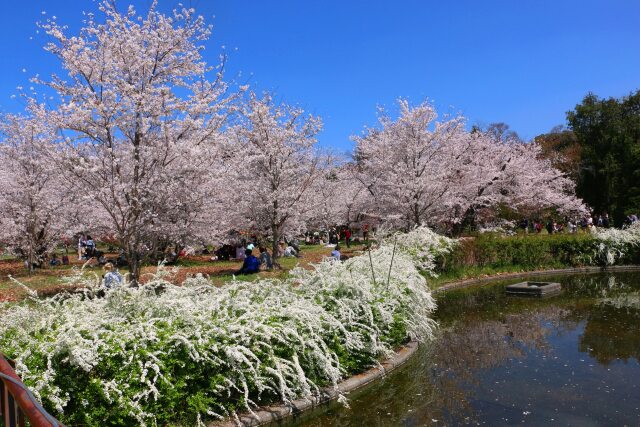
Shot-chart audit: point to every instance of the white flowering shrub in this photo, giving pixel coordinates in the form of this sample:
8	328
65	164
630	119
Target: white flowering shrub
502	227
423	245
175	354
613	244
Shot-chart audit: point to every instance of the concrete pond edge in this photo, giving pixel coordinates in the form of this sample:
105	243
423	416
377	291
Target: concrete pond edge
277	412
459	284
272	413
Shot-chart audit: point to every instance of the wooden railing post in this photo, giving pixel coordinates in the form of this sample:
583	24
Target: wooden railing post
18	403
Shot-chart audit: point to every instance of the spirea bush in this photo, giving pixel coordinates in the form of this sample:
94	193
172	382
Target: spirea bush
166	354
615	245
423	245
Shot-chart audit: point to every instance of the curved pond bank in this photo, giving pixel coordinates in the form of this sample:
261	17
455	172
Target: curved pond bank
274	413
572	359
321	411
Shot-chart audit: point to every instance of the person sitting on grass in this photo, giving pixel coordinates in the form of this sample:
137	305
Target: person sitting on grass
287	250
265	258
112	279
250	265
54	261
335	253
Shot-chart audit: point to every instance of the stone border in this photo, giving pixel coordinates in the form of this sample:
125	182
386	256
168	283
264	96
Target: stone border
272	413
268	414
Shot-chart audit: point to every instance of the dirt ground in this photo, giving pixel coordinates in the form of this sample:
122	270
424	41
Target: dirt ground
47	281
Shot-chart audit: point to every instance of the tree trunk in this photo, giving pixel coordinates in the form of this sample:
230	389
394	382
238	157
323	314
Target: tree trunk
468	220
133	258
30	257
275	233
275	246
414	218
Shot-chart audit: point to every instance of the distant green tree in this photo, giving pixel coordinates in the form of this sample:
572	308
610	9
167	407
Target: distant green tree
608	132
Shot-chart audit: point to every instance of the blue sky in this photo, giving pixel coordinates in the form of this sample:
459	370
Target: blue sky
521	62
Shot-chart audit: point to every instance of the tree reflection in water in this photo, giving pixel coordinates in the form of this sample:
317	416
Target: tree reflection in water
612	331
461	355
571	358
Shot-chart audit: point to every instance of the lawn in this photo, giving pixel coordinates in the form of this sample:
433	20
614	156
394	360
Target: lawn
47	281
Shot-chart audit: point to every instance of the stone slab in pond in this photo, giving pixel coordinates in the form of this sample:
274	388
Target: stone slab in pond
536	289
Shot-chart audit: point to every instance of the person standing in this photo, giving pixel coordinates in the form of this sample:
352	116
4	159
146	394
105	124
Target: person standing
90	247
347	237
550	226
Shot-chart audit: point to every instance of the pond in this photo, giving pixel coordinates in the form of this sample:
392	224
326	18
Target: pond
570	359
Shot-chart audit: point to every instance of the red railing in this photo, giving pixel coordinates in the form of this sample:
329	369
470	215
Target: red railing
17	403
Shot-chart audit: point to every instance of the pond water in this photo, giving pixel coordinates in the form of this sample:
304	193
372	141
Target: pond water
571	360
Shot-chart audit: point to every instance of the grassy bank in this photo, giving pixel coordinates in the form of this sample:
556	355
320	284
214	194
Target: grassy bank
46	281
493	254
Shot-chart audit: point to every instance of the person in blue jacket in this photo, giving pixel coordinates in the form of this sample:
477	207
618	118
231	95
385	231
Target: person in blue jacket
250	265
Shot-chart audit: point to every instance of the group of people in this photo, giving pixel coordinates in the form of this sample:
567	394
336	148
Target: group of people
86	247
226	252
55	261
251	264
336	235
570	225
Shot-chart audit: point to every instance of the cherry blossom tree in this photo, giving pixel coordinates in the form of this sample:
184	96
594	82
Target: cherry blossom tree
406	164
35	210
277	166
141	121
341	198
507	171
422	170
527	179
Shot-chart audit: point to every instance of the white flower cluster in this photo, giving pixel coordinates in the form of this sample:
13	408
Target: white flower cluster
232	347
423	245
503	227
614	243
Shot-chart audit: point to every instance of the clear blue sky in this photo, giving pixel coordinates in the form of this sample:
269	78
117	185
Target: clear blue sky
521	62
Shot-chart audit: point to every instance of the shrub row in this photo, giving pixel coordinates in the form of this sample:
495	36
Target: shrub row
537	251
167	355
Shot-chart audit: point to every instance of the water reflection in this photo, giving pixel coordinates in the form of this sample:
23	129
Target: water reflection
612	331
573	359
